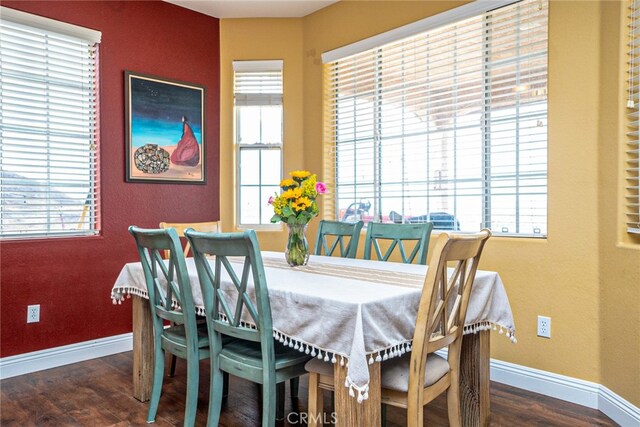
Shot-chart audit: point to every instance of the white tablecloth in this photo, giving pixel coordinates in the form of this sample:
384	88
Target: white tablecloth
348	310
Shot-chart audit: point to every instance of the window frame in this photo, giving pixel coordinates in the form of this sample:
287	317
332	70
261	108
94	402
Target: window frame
55	37
376	93
261	100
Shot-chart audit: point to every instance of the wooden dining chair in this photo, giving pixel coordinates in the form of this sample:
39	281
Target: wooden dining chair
168	283
416	378
255	355
397	236
334	235
208	226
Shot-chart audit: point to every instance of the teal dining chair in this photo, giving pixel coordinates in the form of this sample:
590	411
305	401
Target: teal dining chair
334	235
397	235
241	310
167	284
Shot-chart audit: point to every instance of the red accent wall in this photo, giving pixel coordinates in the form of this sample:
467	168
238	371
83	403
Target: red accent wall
71	278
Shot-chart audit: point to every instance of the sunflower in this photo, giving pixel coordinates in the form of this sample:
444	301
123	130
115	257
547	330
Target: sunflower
299	176
288	183
292	194
301	204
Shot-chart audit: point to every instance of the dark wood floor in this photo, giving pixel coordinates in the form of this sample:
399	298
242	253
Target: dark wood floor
98	393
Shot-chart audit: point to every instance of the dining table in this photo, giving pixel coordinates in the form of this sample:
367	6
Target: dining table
353	313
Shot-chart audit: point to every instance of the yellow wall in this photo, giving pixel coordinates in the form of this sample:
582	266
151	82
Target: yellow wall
582	274
619	258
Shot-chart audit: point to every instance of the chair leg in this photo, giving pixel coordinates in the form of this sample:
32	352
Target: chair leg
415	415
225	384
269	403
383	415
216	387
193	377
156	388
316	405
294	382
280	392
172	366
453	403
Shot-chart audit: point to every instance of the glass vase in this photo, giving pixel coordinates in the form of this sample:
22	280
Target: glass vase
297	252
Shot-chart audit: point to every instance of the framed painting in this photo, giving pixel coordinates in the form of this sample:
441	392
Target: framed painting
164	130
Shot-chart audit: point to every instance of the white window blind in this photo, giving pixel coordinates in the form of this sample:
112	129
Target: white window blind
49	182
632	170
259	118
447	126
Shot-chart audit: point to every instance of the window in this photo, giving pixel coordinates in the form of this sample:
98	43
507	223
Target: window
48	125
448	125
258	112
632	169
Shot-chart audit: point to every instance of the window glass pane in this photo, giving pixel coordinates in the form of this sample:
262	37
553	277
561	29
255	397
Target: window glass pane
267	210
271	121
250	205
248	125
270	167
249	166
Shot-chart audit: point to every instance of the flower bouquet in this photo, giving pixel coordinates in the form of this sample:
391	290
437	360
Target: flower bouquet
295	206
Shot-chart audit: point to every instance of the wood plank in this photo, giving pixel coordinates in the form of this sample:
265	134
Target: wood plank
348	411
142	349
28	400
474	380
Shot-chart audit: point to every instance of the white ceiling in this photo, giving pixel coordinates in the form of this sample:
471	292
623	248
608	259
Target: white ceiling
255	8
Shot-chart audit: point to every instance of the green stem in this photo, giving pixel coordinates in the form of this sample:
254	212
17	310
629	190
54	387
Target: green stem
297	246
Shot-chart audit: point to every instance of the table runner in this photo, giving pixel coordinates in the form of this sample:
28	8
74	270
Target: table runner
346	310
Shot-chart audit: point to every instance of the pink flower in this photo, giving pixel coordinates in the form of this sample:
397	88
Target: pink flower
321	188
271	199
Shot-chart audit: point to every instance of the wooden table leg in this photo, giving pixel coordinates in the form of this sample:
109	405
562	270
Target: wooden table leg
142	349
349	412
474	379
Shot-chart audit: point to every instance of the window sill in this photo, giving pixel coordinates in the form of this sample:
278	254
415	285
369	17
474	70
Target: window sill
261	227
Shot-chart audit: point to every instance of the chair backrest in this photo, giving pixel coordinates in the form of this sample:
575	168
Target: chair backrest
167	281
444	300
210	226
397	236
335	234
228	308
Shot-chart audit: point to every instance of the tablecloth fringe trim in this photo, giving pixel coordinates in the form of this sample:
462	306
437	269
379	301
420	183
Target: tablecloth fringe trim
119	294
363	391
312	350
487	325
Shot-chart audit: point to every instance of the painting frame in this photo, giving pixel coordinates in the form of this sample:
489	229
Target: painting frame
164	130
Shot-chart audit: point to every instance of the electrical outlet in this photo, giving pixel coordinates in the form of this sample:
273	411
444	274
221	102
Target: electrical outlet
544	326
33	313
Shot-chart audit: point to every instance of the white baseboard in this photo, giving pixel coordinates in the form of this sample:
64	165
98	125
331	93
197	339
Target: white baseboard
561	387
53	357
570	389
